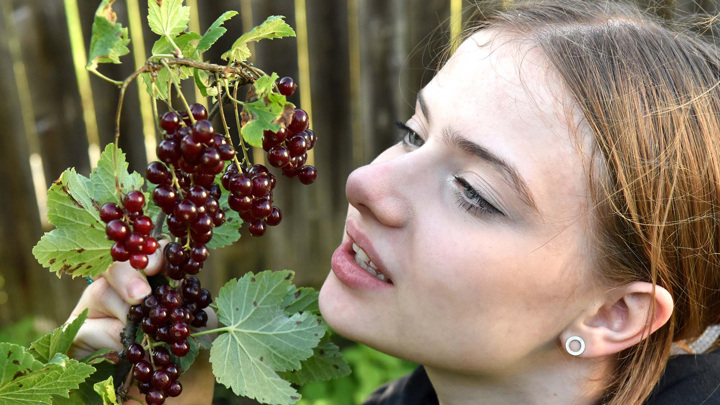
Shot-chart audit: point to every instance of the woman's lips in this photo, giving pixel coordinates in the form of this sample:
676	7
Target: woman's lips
350	273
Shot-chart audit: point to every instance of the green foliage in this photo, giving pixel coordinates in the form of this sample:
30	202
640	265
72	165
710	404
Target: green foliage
20	332
273	27
57	341
106	390
265	112
109	39
43	374
168	18
229	232
78	245
370	370
215	31
260	338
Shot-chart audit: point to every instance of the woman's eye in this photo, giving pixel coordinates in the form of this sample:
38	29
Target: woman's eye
471	201
409	137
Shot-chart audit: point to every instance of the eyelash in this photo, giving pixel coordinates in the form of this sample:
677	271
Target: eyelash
478	206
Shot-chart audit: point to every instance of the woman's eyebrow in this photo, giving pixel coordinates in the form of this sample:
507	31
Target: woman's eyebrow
453	138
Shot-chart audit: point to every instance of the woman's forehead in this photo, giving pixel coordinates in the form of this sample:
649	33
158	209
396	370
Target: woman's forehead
505	95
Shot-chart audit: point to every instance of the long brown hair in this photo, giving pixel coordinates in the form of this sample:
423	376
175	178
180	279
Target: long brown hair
650	97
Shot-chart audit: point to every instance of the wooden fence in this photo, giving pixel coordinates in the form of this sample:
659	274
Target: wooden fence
359	64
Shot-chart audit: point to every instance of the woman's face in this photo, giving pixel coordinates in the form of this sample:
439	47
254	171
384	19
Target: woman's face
479	219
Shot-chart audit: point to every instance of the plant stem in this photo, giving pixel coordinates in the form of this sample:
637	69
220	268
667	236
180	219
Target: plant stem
242	140
177	49
233	99
211	331
107	79
224	122
176	82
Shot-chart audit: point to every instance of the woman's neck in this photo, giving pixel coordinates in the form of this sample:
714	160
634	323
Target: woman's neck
566	381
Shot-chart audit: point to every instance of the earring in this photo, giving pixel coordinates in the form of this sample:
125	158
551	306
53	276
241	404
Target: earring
575	339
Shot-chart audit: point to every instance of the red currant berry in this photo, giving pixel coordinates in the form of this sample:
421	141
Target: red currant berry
275	217
119	252
134	201
117	230
142	371
299	121
198	111
287	86
135	353
110	211
138	261
278	156
180	349
150	246
174	389
296	145
157	173
203	131
168	151
170	122
161	356
257	228
307	175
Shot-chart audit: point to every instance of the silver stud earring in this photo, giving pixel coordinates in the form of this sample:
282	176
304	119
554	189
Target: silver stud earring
575	339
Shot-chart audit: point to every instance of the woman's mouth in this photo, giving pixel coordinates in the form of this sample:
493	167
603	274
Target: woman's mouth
362	259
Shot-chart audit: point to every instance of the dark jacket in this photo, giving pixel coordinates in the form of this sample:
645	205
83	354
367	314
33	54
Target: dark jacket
688	380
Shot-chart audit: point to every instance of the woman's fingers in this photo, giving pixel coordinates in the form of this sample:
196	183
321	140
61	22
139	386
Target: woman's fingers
129	283
95	334
102	301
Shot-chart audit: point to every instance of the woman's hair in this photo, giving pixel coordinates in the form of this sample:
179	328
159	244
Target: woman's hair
649	96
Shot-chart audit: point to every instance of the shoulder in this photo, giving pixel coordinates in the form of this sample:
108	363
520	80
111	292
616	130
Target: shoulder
689	379
412	389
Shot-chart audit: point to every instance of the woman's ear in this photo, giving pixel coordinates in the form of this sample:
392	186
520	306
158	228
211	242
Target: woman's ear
622	319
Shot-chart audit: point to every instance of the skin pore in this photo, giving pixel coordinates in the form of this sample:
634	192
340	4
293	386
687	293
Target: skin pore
480	219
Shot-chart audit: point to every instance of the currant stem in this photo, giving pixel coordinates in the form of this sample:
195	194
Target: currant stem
211	331
107	79
245	160
233	99
176	82
224	122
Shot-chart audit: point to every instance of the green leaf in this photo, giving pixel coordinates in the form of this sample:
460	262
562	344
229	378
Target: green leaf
57	341
169	18
229	232
39	386
215	31
163	46
186	361
202	81
78	246
264	84
325	364
162	79
106	390
261	339
273	27
14	360
303	299
262	120
109	39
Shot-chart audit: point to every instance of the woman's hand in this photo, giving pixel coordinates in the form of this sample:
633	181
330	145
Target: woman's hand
108	300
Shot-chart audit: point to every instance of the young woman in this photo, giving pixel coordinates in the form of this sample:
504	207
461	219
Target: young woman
545	233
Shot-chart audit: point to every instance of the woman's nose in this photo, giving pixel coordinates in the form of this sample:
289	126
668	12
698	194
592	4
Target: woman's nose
382	190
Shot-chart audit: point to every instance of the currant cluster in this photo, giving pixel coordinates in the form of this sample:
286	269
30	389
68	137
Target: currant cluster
166	316
287	148
251	196
191	156
130	230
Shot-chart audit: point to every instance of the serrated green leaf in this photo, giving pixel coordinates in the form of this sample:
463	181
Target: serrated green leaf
106	390
39	386
261	339
14	360
273	27
77	246
262	120
109	39
215	31
184	41
103	179
229	232
264	84
303	299
169	18
325	364
57	341
74	250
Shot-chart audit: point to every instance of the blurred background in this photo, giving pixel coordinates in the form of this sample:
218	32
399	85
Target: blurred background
358	64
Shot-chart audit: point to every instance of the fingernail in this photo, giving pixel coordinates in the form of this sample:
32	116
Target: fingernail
138	290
